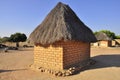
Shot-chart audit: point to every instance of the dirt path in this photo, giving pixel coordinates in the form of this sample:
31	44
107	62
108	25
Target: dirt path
14	65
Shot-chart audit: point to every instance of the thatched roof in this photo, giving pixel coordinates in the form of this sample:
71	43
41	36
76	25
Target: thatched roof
61	24
102	36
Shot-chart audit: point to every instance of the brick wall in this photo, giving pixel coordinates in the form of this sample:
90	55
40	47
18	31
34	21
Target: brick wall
48	57
105	43
61	55
75	52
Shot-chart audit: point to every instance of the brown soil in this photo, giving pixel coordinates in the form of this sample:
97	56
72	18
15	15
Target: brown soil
14	65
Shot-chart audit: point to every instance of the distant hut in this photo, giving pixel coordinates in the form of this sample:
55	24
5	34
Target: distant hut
103	40
61	40
116	42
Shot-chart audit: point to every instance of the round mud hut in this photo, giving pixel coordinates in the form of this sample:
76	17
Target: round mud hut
62	40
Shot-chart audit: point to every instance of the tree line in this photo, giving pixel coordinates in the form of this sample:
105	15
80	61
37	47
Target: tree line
108	33
16	37
21	37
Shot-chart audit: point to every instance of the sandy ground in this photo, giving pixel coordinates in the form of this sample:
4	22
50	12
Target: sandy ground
14	65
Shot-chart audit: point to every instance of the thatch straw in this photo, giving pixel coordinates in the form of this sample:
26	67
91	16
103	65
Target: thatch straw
102	36
61	24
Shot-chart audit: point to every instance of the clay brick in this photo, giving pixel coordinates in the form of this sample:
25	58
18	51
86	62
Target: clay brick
61	55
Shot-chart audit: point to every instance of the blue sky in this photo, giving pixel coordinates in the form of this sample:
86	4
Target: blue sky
24	15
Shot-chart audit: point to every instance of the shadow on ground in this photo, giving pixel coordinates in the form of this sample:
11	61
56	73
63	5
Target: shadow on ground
104	61
1	71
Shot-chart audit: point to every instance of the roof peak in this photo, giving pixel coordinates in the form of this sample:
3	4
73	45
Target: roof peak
61	24
60	3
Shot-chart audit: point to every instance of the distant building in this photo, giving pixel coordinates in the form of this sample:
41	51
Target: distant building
103	40
116	42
